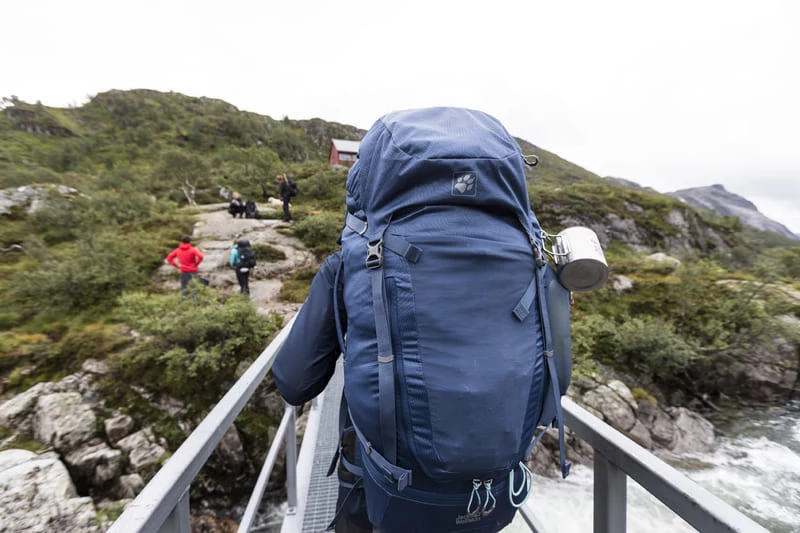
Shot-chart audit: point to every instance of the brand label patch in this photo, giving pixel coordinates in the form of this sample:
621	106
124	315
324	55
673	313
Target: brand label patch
465	183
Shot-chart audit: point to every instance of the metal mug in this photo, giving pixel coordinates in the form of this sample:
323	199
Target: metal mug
579	258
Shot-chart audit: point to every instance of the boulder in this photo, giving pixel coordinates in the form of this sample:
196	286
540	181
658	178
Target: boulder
63	421
94	466
93	366
128	486
693	433
641	435
30	196
37	496
141	449
660	424
118	427
623	392
83	384
18	412
661	257
615	409
230	452
621	284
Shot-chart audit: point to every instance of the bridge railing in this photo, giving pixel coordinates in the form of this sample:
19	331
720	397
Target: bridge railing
616	457
163	505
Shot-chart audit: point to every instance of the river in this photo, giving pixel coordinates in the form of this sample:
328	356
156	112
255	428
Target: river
755	468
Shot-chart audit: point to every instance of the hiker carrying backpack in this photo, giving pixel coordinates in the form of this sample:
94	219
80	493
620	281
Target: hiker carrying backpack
246	255
449	361
293	189
250	210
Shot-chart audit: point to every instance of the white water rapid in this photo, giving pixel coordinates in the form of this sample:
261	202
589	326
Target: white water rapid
755	469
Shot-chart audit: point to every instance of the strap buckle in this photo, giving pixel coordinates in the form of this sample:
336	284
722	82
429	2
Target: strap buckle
374	254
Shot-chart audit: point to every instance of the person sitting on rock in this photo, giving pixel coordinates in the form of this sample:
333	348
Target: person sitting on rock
237	206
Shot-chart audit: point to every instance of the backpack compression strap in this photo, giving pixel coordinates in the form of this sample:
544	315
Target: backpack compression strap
386	399
551	367
386	388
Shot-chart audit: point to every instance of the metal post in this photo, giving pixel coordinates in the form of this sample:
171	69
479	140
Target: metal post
291	463
251	510
178	520
610	496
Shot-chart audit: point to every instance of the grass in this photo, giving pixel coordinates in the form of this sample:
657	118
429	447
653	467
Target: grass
295	288
12	441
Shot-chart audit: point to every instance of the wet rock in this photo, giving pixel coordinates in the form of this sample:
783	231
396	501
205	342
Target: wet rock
615	409
118	427
623	392
693	433
94	466
141	449
37	496
662	428
641	435
128	486
230	452
63	421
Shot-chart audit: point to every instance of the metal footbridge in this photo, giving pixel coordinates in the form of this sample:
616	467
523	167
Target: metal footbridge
163	505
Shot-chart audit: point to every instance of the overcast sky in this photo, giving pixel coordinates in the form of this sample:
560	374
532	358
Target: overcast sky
670	95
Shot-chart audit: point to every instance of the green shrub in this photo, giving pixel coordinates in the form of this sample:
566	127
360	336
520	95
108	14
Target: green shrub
319	232
641	394
87	275
295	288
192	346
268	253
325	190
650	346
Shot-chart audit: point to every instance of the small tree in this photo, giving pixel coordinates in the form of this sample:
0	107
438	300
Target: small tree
182	171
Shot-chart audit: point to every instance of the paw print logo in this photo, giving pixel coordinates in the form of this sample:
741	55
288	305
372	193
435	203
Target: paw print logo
465	184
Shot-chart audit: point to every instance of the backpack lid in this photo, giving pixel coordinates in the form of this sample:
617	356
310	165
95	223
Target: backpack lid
439	155
243	243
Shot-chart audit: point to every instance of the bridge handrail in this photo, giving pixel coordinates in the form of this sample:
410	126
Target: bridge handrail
616	457
163	504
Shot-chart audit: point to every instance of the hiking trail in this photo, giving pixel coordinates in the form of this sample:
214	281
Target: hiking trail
213	235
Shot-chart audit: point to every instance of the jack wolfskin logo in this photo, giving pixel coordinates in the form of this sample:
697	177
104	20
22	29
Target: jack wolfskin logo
465	183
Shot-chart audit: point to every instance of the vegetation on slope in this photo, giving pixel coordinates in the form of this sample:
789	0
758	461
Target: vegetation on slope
84	279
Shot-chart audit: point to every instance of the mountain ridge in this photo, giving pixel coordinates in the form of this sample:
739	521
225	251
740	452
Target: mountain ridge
717	198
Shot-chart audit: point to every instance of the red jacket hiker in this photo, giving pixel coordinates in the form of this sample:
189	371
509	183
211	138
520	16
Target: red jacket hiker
188	257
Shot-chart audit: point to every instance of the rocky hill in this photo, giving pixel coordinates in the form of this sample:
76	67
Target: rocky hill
93	198
716	198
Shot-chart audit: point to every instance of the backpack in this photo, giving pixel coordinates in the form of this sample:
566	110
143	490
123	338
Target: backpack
293	190
247	257
250	210
447	292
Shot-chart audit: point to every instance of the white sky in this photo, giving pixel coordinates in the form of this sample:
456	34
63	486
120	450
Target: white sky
668	94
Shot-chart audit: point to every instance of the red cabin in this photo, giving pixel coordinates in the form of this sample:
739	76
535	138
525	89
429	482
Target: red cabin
343	152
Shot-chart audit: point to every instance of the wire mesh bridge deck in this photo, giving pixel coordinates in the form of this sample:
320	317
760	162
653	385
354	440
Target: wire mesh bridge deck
163	505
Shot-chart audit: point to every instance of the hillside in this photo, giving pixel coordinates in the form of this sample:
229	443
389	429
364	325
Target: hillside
93	198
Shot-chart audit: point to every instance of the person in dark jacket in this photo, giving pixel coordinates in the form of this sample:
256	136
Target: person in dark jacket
302	369
189	259
285	192
236	206
242	274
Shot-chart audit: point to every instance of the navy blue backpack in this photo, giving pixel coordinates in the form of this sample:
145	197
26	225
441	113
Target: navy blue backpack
449	362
